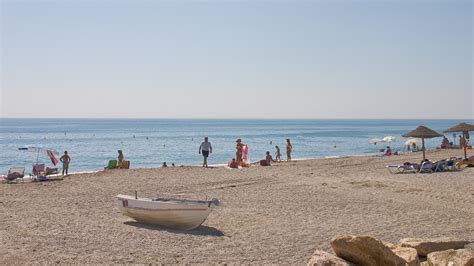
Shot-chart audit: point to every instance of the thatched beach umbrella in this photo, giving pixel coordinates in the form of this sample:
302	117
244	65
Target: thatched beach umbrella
423	133
464	128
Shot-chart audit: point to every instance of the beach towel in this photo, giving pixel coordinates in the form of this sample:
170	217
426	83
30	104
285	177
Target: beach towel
245	151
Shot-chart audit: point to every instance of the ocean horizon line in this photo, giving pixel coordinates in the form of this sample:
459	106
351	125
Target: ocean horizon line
217	119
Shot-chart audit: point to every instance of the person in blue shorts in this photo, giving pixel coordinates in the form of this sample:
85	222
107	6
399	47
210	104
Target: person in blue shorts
206	149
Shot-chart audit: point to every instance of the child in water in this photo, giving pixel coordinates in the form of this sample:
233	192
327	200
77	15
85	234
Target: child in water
277	154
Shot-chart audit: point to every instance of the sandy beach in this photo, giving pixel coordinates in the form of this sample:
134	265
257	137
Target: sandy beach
277	214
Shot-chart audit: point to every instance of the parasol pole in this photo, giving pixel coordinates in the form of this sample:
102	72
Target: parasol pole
423	147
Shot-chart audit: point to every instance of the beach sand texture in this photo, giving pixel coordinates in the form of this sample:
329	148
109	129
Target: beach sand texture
277	214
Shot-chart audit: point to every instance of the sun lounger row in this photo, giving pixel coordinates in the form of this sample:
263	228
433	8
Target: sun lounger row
425	167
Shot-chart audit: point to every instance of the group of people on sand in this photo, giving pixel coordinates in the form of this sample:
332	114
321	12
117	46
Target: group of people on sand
240	154
239	162
463	141
206	149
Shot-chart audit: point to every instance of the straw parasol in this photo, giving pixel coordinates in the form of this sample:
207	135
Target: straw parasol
423	133
464	128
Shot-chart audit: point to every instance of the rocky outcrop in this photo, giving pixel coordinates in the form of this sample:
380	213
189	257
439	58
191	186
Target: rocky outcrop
410	255
457	257
322	258
426	246
365	250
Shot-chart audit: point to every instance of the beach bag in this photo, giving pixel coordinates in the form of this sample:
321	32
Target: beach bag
112	164
125	164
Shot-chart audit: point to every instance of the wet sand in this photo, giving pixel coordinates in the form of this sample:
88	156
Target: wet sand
277	214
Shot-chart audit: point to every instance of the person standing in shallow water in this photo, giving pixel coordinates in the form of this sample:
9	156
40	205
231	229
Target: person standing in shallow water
65	159
206	149
239	147
289	149
120	158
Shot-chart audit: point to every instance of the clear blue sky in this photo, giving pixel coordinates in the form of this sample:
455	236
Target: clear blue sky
205	59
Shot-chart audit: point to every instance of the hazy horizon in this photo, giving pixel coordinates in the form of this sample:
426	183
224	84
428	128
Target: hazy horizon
237	60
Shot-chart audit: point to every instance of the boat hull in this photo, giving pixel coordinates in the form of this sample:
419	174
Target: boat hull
169	214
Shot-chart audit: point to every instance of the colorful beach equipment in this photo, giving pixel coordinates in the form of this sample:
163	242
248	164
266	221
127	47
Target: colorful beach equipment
423	133
170	212
464	128
37	151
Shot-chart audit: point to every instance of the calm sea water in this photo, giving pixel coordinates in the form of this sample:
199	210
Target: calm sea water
149	143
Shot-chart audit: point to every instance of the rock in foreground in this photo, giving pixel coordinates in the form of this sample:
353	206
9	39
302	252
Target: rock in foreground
408	254
322	258
365	250
457	257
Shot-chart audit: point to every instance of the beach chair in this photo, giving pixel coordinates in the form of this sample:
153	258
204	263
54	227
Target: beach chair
112	164
402	168
440	166
426	167
15	172
38	169
452	163
51	171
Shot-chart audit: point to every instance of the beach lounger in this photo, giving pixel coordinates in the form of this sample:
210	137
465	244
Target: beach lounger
15	172
402	168
426	167
112	164
440	166
51	171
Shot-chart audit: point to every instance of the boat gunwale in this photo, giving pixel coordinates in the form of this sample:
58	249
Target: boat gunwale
173	201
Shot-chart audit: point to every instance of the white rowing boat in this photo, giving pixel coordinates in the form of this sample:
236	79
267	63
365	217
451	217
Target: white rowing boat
170	212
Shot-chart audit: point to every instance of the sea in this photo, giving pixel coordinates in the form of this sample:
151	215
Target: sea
148	143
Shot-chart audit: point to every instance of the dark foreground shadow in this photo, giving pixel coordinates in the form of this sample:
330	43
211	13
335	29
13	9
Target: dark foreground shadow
200	231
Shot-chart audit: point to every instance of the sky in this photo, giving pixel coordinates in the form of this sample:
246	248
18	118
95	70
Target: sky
237	59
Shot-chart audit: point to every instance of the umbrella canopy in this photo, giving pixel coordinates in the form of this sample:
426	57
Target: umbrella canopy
389	139
423	133
37	151
464	128
375	141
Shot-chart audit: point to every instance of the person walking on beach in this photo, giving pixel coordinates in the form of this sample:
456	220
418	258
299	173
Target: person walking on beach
65	159
289	148
206	149
277	154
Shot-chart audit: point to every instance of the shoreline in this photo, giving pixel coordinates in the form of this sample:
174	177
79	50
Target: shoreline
217	165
